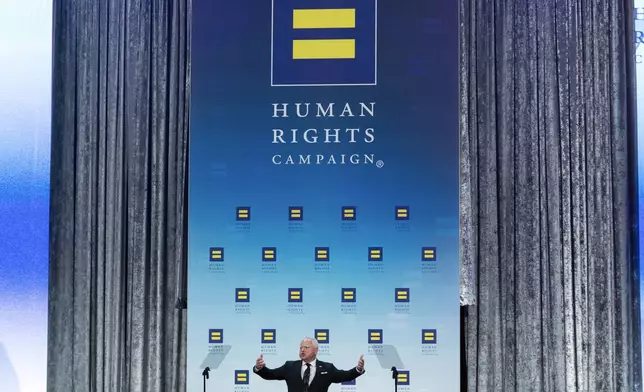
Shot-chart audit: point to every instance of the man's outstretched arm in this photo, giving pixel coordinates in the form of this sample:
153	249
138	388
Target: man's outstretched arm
338	376
269	374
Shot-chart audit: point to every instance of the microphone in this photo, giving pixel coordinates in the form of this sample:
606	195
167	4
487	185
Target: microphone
394	375
206	372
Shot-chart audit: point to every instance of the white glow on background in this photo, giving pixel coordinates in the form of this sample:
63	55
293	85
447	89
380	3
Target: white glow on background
25	131
25	84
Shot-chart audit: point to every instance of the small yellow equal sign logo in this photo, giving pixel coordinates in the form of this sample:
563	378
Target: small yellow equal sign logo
312	49
402	213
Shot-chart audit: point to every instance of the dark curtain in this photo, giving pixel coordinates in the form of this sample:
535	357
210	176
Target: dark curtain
547	124
118	205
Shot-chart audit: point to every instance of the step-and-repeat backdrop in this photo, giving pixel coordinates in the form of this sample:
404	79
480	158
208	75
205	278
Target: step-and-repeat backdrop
324	193
25	113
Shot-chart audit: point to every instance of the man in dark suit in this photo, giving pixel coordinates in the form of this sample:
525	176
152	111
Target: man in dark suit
308	374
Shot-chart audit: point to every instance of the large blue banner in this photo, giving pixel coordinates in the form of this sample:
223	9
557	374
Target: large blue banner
324	195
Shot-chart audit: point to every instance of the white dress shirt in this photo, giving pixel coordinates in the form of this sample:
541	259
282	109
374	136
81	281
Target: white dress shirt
312	371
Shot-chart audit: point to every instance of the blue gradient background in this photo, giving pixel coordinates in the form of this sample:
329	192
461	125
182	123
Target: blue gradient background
416	128
25	101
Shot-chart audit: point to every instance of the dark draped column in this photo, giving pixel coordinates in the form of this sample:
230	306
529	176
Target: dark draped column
547	209
118	204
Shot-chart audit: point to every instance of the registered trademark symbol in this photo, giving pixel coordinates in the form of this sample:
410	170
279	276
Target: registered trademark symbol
380	164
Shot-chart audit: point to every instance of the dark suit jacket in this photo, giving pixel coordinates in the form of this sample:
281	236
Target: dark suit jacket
325	375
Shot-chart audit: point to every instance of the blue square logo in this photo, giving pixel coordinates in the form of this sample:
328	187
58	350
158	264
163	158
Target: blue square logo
243	214
324	42
348	295
429	336
216	336
242	377
242	295
349	213
269	254
322	254
403	377
296	213
401	295
375	254
428	253
269	336
295	295
375	336
322	336
216	254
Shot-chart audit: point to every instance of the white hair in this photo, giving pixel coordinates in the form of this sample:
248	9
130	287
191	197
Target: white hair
312	340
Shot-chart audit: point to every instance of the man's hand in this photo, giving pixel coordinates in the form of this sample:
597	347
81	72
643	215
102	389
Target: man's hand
259	364
360	366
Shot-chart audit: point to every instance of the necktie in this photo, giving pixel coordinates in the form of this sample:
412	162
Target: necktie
307	375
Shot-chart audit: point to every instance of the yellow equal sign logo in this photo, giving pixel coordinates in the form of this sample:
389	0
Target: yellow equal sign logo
349	213
375	336
241	377
402	213
322	254
403	377
348	295
268	336
243	213
375	254
216	336
402	295
321	43
242	295
295	295
322	336
429	336
312	49
269	254
216	254
296	213
428	253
